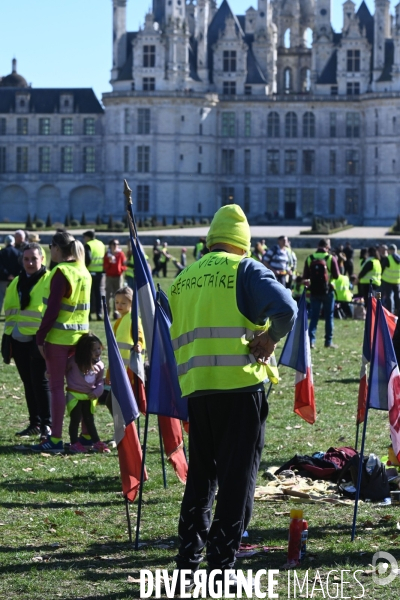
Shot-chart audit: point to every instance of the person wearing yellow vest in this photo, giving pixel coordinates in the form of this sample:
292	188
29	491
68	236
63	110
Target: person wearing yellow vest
97	251
35	238
23	307
228	314
343	294
391	280
65	320
371	272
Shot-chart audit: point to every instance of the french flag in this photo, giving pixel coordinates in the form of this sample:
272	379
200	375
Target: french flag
384	383
125	412
296	354
136	364
369	329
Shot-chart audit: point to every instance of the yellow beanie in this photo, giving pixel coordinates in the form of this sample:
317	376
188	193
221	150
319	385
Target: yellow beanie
230	226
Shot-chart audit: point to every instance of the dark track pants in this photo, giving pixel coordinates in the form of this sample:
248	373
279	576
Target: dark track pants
225	443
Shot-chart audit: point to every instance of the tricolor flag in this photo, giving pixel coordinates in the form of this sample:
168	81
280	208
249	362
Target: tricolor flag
296	354
136	364
367	348
384	382
171	429
125	411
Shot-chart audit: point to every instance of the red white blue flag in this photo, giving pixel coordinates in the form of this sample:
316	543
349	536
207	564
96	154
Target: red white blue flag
384	381
296	354
125	411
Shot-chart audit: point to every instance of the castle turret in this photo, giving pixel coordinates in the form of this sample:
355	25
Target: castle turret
119	36
381	32
203	18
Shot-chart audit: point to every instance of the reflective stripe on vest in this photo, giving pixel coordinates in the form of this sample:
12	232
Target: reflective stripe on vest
209	334
392	273
374	274
124	339
73	318
27	320
97	250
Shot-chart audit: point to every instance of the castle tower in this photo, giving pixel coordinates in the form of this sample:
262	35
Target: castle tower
177	37
119	36
381	32
203	18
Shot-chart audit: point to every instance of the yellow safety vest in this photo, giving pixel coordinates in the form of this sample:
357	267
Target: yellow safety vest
209	334
298	292
124	338
130	268
29	319
342	289
72	398
97	250
392	273
375	274
73	318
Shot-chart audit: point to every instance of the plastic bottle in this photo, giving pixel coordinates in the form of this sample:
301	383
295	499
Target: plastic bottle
371	463
295	532
304	538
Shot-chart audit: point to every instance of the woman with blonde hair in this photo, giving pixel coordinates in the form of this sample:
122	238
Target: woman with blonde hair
65	320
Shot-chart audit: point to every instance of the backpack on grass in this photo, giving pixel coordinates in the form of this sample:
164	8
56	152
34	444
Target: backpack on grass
374	481
319	275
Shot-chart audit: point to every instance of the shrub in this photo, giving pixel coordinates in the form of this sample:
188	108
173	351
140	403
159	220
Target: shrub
154	221
48	221
147	223
118	226
98	220
75	223
28	223
205	221
140	222
174	222
39	224
164	221
67	220
188	222
110	224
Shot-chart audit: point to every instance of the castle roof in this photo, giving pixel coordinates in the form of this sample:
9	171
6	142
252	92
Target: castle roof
14	80
47	100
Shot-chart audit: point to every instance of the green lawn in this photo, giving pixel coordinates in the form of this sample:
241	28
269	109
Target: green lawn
62	518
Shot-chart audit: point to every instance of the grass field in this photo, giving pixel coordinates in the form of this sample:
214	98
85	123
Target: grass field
62	518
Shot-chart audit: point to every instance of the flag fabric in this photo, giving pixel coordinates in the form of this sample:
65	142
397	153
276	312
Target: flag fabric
125	411
384	382
171	430
136	365
369	329
296	354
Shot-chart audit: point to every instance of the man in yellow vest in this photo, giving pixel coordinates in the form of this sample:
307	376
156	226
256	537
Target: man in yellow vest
23	307
219	304
95	268
391	280
343	294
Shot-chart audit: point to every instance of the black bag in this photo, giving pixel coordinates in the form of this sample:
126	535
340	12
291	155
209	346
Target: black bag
6	348
374	485
319	276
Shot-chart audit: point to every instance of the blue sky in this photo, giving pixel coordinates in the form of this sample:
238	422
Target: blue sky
67	43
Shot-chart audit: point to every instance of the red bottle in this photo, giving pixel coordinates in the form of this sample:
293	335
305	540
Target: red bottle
295	533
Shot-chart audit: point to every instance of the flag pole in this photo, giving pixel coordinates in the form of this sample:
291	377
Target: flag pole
361	455
139	512
162	455
128	518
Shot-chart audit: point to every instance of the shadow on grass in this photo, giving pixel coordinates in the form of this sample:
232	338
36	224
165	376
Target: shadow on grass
67	484
345	381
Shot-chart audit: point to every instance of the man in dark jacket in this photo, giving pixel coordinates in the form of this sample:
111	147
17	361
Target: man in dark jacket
9	265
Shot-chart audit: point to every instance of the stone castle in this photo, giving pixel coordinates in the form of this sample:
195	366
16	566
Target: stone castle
271	109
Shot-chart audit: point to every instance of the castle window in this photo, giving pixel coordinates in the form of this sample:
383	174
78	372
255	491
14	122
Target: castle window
143	121
352	162
3	126
199	207
227	195
332	124
89	159
229	88
308	162
353	61
143	159
290	162
273	162
228	124
22	159
44	126
246	199
309	125
67	164
353	88
308	37
247	124
305	80
229	60
351	202
332	162
89	127
149	84
247	161
22	126
199	167
334	90
143	198
273	126
149	56
286	39
228	161
127	121
44	159
67	126
3	157
247	90
352	125
332	201
126	159
287	80
272	201
291	125
307	201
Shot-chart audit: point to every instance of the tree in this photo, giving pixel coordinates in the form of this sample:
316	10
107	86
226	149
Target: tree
28	223
48	221
83	219
110	223
67	220
98	220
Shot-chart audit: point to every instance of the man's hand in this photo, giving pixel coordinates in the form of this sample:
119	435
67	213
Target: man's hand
262	346
41	350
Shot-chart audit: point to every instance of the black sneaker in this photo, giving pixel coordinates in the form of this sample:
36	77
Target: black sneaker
45	431
189	578
30	430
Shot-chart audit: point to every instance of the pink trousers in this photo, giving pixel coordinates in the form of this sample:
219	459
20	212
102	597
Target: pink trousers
56	362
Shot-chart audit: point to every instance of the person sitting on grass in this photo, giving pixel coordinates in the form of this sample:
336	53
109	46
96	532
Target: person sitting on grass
85	383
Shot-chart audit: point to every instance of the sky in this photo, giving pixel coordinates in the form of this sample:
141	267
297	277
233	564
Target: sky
67	43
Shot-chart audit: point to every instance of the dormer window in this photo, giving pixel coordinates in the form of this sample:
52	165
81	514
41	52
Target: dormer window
66	103
229	61
353	61
229	88
22	103
149	56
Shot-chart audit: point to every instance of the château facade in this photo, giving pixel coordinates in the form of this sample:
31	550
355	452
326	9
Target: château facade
272	110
